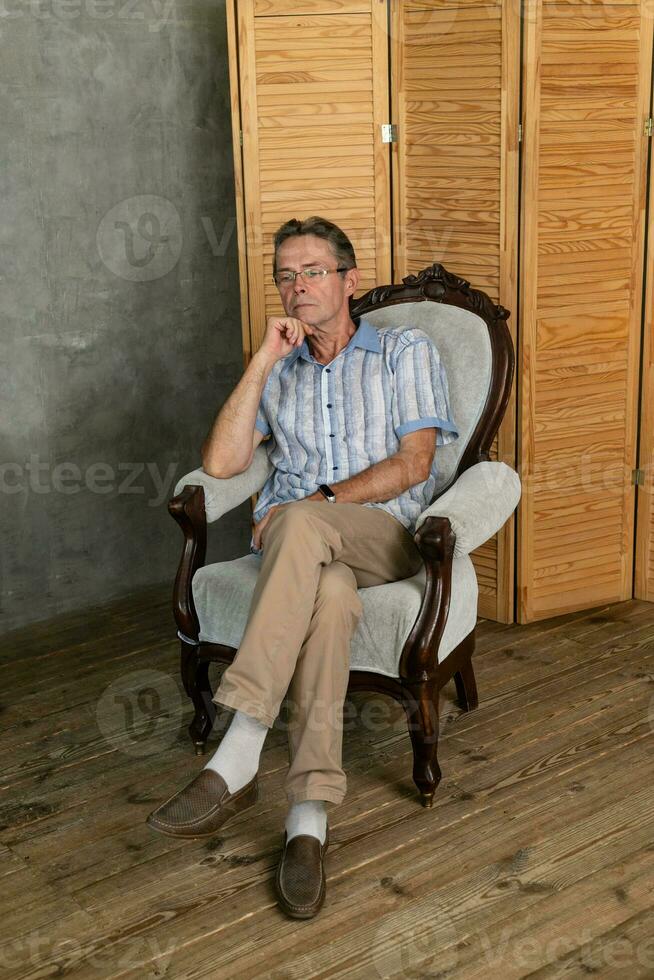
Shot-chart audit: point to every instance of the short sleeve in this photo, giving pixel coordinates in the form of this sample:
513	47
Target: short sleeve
261	422
421	394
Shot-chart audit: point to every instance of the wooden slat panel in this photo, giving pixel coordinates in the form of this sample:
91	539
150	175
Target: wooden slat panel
455	92
275	8
235	107
644	579
314	94
586	83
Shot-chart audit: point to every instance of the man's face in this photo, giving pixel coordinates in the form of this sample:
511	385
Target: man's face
321	300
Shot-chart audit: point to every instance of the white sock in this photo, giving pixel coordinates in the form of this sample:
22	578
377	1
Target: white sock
237	757
307	817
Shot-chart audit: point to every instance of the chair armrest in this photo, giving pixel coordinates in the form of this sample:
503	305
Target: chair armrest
221	496
477	505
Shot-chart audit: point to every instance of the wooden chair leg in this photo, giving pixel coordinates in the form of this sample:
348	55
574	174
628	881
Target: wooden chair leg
421	708
195	677
466	687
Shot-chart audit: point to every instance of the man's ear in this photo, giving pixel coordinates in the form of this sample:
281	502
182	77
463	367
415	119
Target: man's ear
352	281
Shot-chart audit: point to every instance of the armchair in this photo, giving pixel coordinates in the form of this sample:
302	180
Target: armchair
417	633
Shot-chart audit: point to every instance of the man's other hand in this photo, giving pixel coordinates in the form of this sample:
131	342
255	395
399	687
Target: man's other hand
258	528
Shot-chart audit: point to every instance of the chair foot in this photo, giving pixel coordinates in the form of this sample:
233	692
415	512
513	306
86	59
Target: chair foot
200	728
466	687
195	676
421	707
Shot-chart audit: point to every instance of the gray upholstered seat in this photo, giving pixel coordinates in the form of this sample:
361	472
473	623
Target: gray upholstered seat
222	593
477	504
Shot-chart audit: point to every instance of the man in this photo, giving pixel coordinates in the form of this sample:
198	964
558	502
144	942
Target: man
354	417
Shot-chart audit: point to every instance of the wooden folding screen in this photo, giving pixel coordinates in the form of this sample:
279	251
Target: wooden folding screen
455	96
586	82
312	84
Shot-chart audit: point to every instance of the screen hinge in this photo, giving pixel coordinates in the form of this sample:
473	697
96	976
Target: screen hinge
519	132
648	126
389	133
638	477
240	136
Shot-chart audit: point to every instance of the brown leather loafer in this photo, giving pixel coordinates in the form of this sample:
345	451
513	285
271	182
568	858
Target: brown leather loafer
300	879
202	807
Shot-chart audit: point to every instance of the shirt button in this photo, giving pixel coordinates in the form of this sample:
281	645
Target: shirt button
327	370
329	406
334	467
331	435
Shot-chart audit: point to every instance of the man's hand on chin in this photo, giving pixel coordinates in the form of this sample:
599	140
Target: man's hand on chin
258	528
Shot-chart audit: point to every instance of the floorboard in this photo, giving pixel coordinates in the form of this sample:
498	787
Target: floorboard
536	859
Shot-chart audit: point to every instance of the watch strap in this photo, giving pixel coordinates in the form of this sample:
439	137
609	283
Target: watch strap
327	492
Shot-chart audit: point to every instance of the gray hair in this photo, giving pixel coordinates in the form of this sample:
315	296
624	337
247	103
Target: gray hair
337	240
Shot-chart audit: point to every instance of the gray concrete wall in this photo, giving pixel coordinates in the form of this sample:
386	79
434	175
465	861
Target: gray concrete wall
120	305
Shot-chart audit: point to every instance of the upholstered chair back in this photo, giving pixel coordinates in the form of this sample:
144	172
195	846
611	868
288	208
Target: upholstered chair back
475	345
463	342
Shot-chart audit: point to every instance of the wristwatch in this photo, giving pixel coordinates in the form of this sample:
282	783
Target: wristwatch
327	492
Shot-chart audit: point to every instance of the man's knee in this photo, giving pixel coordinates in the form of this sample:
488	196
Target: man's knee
296	519
295	512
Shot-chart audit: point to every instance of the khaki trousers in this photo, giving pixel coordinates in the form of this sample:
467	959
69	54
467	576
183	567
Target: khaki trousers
304	611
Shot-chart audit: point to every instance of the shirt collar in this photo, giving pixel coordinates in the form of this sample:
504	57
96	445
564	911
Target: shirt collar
365	336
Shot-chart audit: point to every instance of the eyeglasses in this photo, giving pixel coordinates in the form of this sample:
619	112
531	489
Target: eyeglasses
312	274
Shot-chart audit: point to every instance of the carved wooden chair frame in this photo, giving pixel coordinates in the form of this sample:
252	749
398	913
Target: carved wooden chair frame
421	677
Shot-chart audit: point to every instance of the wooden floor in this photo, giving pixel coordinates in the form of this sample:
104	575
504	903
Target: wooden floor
537	859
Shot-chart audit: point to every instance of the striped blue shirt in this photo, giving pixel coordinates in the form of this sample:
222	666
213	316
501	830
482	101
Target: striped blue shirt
329	422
